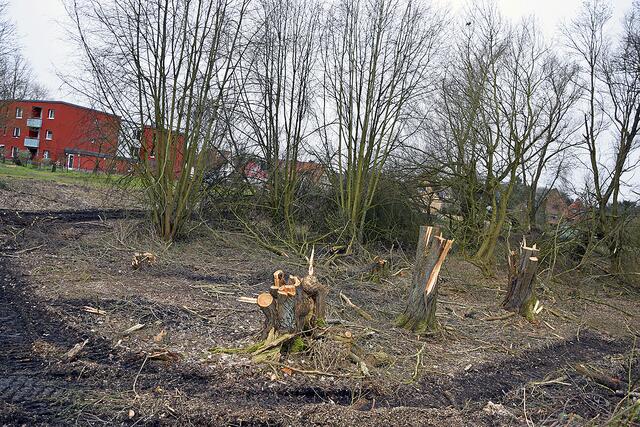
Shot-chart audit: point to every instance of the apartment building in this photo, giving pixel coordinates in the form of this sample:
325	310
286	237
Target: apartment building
76	137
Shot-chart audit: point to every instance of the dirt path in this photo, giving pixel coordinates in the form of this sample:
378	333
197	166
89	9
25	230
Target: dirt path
106	382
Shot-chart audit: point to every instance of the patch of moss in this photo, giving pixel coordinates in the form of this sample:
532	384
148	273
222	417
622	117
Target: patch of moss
297	345
238	350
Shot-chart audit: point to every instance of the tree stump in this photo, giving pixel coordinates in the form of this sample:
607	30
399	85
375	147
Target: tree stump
420	312
292	306
520	296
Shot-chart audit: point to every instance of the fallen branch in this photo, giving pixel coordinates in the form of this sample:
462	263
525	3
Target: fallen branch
73	353
134	328
616	308
605	380
311	372
358	309
15	254
93	310
418	362
195	313
504	316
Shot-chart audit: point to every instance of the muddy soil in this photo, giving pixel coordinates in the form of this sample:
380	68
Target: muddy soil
54	262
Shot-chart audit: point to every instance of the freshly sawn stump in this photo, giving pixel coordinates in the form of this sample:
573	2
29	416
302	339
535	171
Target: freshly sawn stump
292	306
420	312
520	296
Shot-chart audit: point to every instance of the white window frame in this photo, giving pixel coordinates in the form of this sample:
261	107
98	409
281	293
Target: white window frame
15	151
45	154
16	132
52	114
18	113
48	135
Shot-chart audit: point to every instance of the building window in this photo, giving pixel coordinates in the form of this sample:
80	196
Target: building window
52	114
45	155
16	132
18	113
49	135
14	152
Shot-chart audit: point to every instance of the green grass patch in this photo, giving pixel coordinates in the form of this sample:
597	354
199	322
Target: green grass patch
64	176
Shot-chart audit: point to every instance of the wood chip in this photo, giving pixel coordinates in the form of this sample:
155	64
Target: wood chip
93	310
134	328
160	337
73	353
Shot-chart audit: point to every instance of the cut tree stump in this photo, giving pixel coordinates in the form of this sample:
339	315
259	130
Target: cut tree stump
292	305
420	312
523	265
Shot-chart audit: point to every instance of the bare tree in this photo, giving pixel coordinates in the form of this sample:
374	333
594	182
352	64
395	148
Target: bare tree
16	77
378	67
548	157
496	102
612	85
164	67
459	146
278	80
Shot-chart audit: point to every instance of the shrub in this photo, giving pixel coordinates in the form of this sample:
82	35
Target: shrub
24	157
396	213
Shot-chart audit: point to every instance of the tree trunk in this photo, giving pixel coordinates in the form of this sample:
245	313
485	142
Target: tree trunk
420	313
294	306
521	297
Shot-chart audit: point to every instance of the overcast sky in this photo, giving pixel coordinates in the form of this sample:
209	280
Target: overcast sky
47	48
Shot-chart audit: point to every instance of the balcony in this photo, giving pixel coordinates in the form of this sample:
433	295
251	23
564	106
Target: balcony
34	123
31	142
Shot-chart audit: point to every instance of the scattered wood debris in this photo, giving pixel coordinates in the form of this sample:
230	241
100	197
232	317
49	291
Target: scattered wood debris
93	310
357	309
160	337
602	379
164	355
134	328
141	259
75	350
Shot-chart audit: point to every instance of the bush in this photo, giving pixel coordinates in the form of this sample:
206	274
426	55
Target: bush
24	158
396	213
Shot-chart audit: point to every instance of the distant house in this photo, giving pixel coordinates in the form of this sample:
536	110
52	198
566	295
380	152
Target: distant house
311	172
254	169
554	207
576	211
432	200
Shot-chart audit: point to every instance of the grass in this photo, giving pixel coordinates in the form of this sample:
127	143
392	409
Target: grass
60	176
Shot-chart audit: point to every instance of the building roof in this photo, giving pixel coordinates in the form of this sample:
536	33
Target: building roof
44	101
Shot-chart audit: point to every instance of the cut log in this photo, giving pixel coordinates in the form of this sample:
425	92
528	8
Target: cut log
523	266
420	312
266	302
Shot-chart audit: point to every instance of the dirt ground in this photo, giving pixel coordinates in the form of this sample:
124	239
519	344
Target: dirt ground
67	247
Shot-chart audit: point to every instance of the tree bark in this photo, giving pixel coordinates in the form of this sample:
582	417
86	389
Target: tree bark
293	306
521	297
420	312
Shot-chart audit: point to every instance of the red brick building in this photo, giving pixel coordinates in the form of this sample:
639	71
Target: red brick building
76	137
